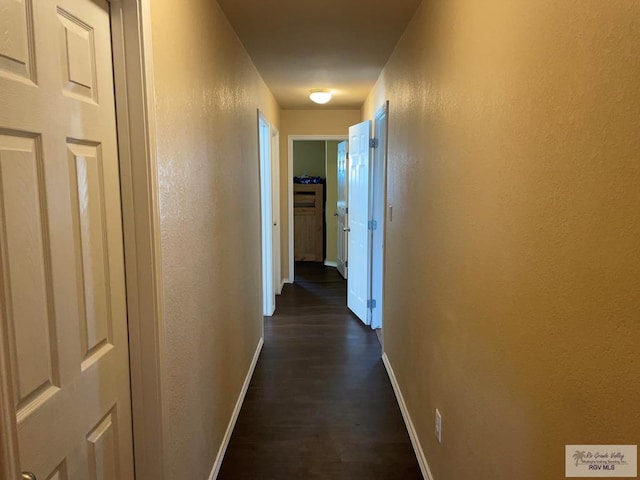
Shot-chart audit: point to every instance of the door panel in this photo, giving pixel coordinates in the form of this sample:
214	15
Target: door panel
85	163
342	209
26	276
17	59
63	314
359	239
103	450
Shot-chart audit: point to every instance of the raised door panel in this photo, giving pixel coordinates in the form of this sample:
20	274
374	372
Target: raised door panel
102	444
17	56
78	57
26	295
60	473
85	164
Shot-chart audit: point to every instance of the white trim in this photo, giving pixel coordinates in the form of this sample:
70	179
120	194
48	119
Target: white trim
422	460
327	263
290	140
236	411
135	109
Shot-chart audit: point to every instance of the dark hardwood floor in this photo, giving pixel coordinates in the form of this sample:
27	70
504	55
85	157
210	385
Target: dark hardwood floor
320	404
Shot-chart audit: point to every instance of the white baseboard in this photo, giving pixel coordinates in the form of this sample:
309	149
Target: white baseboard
236	412
330	264
284	280
422	460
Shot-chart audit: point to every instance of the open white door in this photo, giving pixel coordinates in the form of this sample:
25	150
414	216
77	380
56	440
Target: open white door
64	366
266	206
275	194
359	238
341	209
378	200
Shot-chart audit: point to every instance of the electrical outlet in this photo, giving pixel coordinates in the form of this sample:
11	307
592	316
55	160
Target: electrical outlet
438	426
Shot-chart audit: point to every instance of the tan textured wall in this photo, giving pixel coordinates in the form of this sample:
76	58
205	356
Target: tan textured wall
513	256
331	234
305	122
207	93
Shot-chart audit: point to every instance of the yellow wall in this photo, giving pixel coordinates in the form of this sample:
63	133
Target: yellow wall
305	122
512	281
309	158
331	256
207	94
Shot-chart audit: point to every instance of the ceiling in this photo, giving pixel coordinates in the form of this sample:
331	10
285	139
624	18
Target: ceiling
299	45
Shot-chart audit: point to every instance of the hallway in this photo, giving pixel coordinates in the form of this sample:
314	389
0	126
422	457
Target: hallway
320	404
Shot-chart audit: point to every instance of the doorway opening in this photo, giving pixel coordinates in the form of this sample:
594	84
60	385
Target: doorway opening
312	194
366	179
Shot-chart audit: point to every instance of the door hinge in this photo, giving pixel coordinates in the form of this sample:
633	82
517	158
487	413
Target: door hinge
372	225
346	210
346	263
373	143
371	304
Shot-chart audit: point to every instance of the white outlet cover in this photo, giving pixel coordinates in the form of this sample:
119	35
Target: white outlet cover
438	430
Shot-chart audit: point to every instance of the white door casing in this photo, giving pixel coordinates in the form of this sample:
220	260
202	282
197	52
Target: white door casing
359	238
341	209
289	220
63	326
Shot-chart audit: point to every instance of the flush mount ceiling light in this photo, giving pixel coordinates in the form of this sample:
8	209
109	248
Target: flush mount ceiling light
320	96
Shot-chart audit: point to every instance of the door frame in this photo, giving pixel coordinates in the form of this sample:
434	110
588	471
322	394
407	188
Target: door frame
291	139
135	114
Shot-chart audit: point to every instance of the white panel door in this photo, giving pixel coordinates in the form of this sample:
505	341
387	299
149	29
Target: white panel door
63	325
275	192
341	209
359	239
266	208
378	200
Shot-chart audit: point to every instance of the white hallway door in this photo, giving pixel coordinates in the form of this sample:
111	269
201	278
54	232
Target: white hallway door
275	193
378	200
341	209
266	215
63	327
359	238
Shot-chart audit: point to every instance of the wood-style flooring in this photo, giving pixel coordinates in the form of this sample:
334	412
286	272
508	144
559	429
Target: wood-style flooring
320	404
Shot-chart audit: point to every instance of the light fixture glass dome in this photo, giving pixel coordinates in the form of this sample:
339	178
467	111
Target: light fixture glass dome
320	96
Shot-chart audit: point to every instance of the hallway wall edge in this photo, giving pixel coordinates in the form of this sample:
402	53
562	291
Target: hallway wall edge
236	411
415	441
